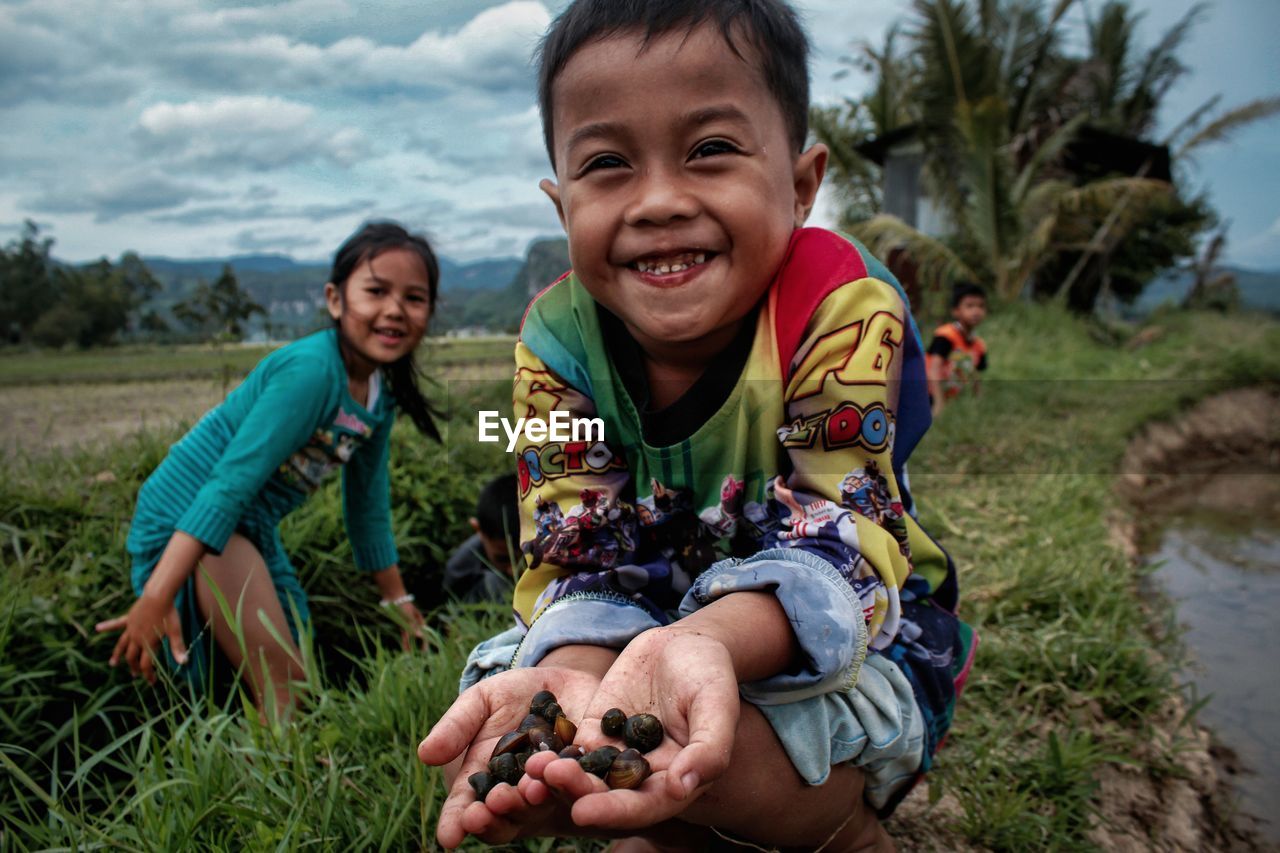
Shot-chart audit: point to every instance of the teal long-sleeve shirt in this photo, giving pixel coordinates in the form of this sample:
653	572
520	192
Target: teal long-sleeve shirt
255	458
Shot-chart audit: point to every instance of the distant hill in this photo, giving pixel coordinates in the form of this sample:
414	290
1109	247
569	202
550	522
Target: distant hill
1259	290
545	261
292	291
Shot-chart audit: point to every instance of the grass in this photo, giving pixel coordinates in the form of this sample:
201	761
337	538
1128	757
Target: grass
224	363
1016	485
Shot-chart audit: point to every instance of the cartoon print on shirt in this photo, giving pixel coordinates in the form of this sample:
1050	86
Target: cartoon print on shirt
595	532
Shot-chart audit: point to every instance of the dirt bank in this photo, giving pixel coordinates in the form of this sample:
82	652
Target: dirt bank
1141	807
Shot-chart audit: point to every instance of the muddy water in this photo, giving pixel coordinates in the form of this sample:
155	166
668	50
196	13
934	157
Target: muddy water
1219	561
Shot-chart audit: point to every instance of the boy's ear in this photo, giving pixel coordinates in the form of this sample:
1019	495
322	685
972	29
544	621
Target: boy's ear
552	189
810	166
475	524
333	300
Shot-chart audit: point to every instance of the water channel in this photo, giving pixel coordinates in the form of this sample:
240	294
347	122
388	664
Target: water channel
1218	558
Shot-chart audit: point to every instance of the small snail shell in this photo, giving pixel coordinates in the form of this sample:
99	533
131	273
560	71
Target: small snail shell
598	761
628	770
565	729
482	783
613	722
511	742
643	732
505	768
540	700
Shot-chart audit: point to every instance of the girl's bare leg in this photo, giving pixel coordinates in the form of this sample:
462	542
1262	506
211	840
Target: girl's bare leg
240	574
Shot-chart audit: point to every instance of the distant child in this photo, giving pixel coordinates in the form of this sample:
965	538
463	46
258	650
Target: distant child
738	555
480	569
207	519
957	355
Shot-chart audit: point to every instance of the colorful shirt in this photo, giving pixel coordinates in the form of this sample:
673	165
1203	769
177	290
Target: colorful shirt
957	358
801	463
284	431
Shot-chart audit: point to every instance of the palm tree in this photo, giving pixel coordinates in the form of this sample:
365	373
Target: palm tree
996	102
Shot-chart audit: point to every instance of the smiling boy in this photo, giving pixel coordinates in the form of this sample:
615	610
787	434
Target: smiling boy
741	560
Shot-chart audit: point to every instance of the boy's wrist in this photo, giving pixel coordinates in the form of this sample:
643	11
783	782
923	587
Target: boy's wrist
752	627
580	657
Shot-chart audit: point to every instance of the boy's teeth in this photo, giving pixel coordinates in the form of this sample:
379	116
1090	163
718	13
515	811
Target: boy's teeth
669	266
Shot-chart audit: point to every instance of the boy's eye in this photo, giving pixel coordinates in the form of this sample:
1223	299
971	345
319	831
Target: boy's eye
712	147
603	161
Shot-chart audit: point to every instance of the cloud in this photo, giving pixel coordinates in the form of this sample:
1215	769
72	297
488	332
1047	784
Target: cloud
244	132
491	51
111	196
215	214
42	63
251	240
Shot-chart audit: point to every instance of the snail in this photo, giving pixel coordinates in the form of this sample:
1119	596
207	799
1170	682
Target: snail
546	727
642	732
482	783
506	768
628	770
598	761
612	722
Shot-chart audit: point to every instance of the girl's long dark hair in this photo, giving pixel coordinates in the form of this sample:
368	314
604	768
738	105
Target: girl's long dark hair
402	375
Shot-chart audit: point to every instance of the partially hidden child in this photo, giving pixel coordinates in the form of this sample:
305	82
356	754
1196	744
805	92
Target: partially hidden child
204	540
739	555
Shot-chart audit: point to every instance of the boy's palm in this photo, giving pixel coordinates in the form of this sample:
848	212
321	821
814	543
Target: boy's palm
471	728
687	681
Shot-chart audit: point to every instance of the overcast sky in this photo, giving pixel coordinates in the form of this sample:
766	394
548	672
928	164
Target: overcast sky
198	128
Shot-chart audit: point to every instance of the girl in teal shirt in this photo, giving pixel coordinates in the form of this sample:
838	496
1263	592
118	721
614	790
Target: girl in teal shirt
207	519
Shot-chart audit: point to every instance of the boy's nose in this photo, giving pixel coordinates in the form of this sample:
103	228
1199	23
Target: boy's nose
660	197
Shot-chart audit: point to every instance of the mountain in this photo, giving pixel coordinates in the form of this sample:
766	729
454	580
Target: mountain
293	291
545	261
1259	290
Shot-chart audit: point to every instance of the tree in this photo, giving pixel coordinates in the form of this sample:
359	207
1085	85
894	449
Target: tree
220	308
56	304
997	102
26	289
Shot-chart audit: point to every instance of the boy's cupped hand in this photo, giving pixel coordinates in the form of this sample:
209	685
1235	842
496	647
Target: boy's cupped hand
465	737
686	680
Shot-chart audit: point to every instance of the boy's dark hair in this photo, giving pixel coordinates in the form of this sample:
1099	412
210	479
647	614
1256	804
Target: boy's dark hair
496	510
770	26
961	289
371	240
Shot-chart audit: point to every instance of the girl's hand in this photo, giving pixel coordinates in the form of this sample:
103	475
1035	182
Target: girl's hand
148	621
466	736
414	633
687	680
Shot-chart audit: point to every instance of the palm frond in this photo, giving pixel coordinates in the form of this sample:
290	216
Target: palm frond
1044	155
937	264
1230	121
1111	194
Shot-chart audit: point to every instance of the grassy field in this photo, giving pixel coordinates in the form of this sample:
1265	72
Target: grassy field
227	363
1017	484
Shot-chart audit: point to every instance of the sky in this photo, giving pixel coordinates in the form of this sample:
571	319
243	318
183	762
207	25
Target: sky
206	128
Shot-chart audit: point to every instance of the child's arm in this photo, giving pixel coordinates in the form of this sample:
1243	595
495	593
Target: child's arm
153	616
366	511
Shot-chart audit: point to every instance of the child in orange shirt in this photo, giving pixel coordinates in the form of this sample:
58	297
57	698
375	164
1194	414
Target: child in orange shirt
957	355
